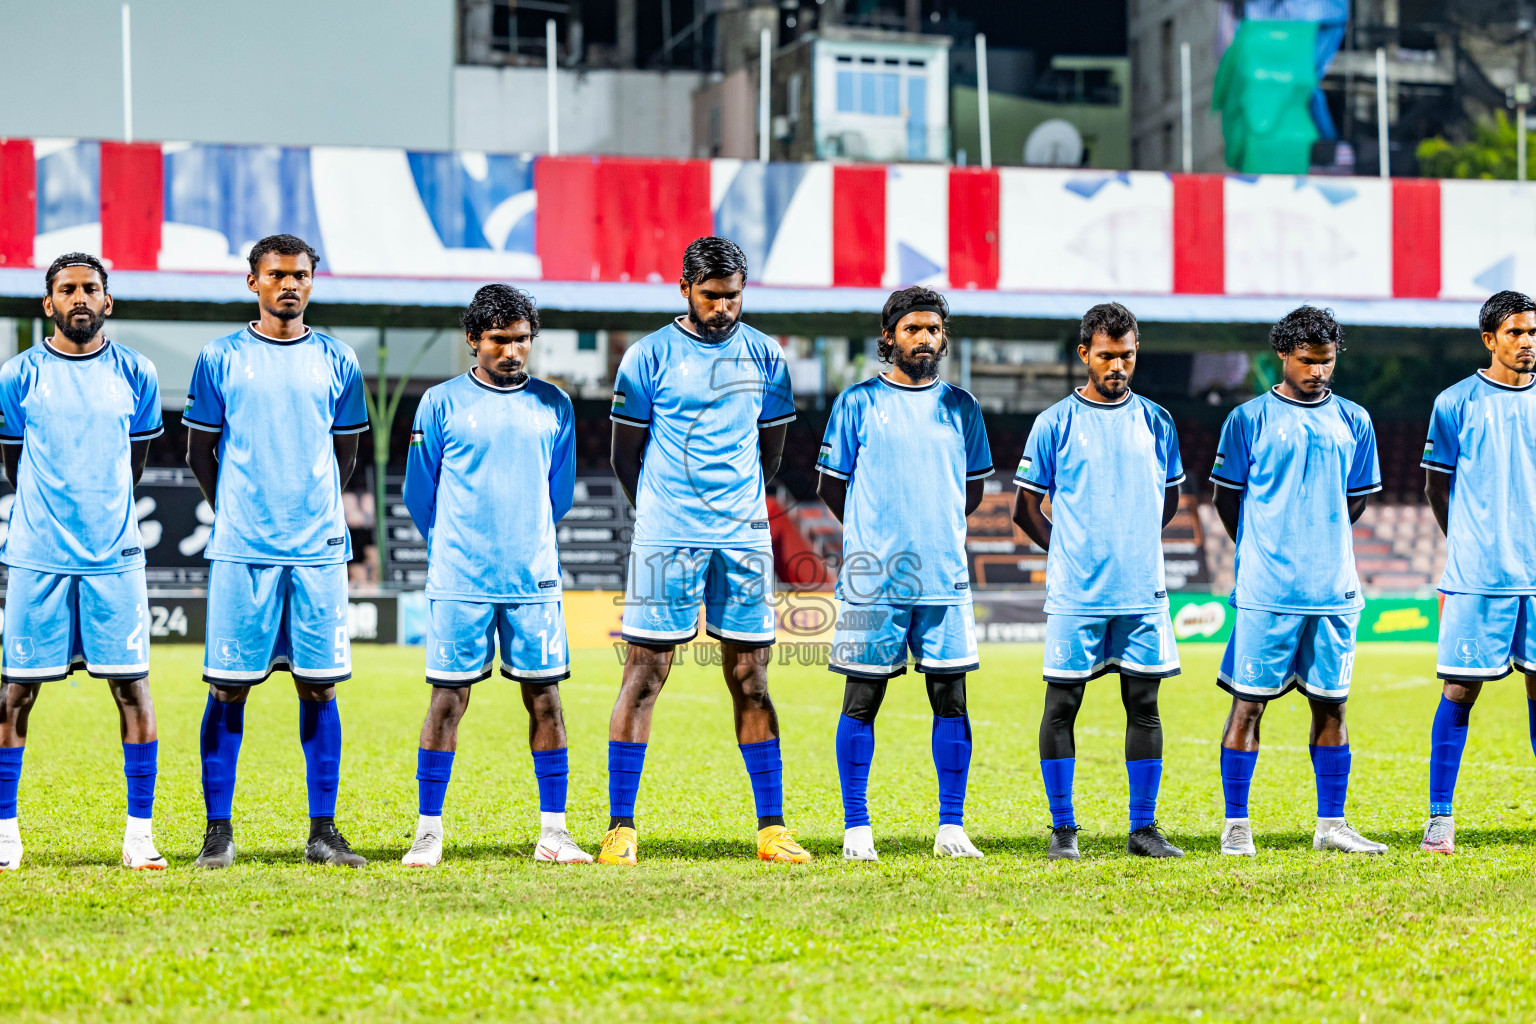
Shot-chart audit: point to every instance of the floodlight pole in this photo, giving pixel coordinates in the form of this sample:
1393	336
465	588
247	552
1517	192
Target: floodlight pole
983	115
765	45
1381	111
1521	94
127	79
1187	105
553	112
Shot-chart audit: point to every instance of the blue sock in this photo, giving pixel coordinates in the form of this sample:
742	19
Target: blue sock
10	780
1447	739
1236	776
952	758
1331	766
552	769
1057	774
625	762
320	736
1146	776
766	768
1530	710
433	770
855	751
223	728
139	767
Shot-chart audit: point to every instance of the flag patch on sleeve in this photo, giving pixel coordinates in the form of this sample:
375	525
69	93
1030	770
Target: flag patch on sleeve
618	399
416	438
1025	465
1429	448
1219	460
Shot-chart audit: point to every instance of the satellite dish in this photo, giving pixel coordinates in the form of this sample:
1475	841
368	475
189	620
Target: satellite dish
1054	143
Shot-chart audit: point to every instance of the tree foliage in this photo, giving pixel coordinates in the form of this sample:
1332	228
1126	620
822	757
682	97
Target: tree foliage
1490	153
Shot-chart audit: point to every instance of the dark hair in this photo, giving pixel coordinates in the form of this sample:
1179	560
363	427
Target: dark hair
899	305
496	307
712	256
1306	325
1500	307
283	245
74	259
1108	318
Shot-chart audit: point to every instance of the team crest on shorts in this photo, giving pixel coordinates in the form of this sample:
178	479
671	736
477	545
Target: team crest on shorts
447	652
1466	650
1252	669
20	648
227	651
1061	651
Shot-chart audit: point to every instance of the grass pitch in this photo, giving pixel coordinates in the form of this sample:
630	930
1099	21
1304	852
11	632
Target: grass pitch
702	931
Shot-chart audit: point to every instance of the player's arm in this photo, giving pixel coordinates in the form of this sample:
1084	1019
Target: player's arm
1229	504
12	456
974	489
1436	488
1170	504
203	460
345	446
625	455
829	489
1357	508
770	448
138	455
1030	517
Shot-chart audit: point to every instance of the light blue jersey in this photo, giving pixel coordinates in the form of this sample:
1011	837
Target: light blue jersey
1298	465
276	405
490	472
1481	433
907	454
701	483
76	418
1107	469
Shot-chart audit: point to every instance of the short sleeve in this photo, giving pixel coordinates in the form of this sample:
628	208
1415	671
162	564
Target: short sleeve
1443	446
633	387
146	422
205	396
1168	451
1364	470
840	444
978	453
1230	468
778	397
13	419
1037	466
351	408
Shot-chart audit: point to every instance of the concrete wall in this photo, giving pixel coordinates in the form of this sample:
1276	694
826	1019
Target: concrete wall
625	112
1155	113
338	72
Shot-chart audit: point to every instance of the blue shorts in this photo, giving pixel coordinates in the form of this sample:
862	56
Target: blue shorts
1083	647
1480	636
266	617
462	638
55	623
1269	653
873	639
666	584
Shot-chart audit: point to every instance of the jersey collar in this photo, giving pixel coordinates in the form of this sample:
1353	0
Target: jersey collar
48	344
1483	376
1304	405
678	323
1077	393
474	377
251	327
907	387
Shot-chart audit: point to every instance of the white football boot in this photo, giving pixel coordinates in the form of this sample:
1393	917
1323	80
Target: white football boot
139	853
557	847
1237	838
1338	834
427	850
953	842
859	843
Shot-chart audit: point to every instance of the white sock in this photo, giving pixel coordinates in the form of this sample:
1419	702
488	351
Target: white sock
1237	821
9	829
425	824
552	821
1328	824
138	827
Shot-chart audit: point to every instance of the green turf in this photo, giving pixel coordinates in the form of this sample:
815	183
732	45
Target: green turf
701	930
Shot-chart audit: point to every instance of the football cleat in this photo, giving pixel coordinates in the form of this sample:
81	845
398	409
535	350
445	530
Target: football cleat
1237	838
218	846
328	846
10	851
621	845
1439	834
777	843
1343	838
953	842
557	847
1063	843
1149	841
859	843
425	852
139	853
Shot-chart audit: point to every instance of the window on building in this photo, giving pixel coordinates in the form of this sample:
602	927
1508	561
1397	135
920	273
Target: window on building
1165	56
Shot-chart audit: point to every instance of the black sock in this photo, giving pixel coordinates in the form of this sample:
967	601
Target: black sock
614	823
772	819
222	827
319	825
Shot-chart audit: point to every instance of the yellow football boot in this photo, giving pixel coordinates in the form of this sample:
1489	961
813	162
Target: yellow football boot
777	843
620	846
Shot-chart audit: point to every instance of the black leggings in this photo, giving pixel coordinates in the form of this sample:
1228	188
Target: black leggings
1143	727
862	695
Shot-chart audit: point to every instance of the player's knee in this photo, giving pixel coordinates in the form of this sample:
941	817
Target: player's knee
16	699
1139	695
130	693
946	694
1465	693
862	697
229	694
1062	703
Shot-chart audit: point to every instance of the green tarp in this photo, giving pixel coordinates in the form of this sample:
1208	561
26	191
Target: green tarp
1263	88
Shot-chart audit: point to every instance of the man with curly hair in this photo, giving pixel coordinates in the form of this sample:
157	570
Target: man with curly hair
1292	472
